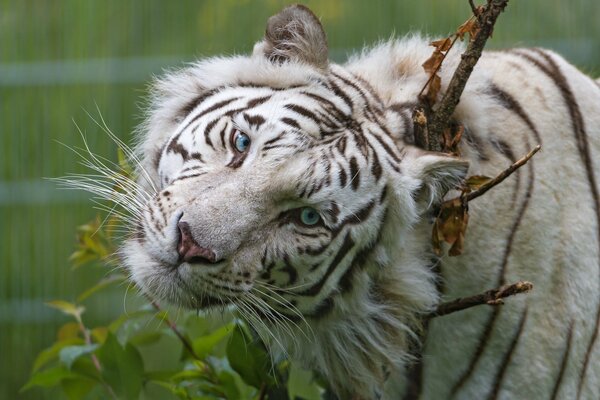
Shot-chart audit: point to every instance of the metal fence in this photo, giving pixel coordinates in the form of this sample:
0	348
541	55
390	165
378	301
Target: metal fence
61	59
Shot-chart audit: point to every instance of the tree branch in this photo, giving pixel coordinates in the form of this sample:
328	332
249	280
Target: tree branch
429	124
491	297
450	100
501	176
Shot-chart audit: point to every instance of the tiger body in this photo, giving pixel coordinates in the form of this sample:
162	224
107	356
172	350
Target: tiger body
346	295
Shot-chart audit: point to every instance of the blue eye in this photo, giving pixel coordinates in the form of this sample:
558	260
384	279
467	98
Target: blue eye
309	216
241	141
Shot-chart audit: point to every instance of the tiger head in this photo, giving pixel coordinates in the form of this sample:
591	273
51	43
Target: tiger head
280	183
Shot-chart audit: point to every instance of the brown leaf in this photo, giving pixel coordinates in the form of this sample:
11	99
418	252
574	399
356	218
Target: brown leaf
442	45
432	63
476	181
451	139
450	226
471	26
434	88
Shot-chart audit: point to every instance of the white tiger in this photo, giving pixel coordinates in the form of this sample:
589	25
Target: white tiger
288	186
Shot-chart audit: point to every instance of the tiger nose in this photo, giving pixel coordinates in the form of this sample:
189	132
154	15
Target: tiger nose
189	250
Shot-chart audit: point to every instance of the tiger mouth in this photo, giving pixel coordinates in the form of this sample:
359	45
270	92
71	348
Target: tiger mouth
202	300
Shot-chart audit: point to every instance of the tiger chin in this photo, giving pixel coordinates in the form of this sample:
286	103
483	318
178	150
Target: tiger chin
289	187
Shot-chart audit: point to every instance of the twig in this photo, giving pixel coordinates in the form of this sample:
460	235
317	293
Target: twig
429	125
491	297
95	361
188	346
500	177
449	101
263	391
473	8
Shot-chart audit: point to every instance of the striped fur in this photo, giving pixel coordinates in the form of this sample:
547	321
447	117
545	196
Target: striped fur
344	296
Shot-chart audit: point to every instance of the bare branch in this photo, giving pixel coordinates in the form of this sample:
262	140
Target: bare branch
429	124
448	103
501	176
491	297
473	7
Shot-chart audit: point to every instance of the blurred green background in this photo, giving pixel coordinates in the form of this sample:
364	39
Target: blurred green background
59	59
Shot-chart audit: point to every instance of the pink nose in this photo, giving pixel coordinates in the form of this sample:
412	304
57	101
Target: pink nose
189	250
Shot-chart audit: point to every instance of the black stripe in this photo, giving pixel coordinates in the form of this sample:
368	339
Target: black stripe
346	282
189	107
256	120
212	108
347	245
507	358
303	111
291	122
259	100
333	110
367	103
354	173
563	363
554	73
511	104
207	131
341	94
385	146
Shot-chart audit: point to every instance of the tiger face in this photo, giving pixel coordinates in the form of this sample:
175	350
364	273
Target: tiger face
274	176
260	189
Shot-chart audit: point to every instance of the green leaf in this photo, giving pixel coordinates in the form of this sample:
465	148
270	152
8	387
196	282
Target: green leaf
162	376
69	330
228	385
204	345
174	389
188	374
102	284
248	359
69	354
99	334
301	384
86	367
81	257
76	389
51	353
145	338
117	323
67	308
122	367
50	377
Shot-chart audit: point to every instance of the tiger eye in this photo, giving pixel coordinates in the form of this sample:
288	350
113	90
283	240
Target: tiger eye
241	141
309	216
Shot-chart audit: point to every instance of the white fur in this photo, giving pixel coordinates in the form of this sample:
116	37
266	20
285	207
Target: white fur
555	246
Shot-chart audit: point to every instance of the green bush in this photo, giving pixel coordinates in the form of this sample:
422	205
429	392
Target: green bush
204	356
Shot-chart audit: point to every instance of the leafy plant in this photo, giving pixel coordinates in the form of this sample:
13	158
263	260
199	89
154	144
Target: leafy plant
215	358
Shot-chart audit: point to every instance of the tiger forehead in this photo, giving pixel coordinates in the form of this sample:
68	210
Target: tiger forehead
312	109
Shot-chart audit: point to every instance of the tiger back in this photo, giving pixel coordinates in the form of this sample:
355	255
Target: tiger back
289	187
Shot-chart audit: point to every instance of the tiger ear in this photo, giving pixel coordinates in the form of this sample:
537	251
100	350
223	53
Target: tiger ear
295	34
436	174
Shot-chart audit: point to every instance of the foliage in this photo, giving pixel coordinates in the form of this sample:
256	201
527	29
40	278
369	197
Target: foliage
216	358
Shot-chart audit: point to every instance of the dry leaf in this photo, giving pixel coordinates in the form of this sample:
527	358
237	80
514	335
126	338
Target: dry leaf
476	181
432	64
434	88
471	26
450	226
442	44
451	139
